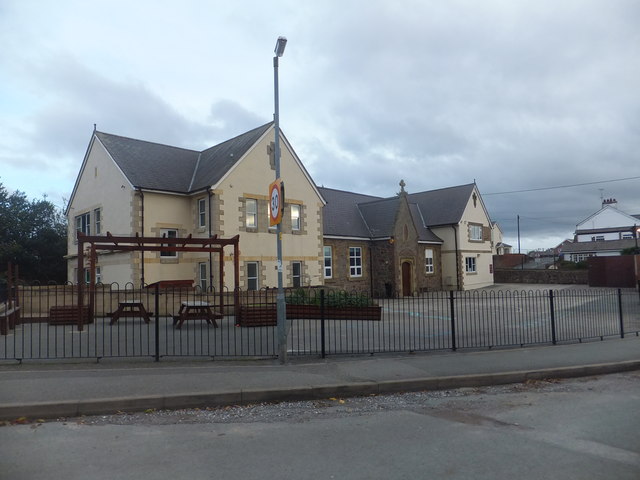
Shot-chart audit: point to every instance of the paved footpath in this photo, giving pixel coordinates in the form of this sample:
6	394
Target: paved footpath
55	389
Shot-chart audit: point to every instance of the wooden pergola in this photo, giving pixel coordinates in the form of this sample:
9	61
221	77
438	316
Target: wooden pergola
109	242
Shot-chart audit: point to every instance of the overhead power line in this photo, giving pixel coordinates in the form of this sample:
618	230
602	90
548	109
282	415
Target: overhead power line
560	186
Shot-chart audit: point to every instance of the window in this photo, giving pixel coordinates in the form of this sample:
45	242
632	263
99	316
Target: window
83	223
470	264
355	261
428	260
328	262
87	275
252	276
627	235
296	271
271	227
475	233
97	220
202	213
169	233
295	217
251	210
202	276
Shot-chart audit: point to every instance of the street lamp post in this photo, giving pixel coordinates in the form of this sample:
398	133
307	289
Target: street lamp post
280	303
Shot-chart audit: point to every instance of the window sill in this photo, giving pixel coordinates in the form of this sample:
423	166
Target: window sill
169	260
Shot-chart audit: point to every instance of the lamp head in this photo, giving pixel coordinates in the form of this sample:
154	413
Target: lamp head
280	44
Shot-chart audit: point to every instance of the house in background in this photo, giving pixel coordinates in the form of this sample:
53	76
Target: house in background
128	187
433	240
500	248
604	234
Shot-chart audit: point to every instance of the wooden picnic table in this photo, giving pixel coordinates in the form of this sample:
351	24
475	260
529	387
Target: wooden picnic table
196	310
128	307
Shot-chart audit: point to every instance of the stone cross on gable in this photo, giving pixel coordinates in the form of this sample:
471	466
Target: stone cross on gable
402	185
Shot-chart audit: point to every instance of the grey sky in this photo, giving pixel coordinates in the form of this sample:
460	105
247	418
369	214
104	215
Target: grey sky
512	94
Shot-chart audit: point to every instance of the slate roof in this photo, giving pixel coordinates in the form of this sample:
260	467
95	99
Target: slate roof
380	216
599	246
424	233
155	166
341	216
348	214
444	206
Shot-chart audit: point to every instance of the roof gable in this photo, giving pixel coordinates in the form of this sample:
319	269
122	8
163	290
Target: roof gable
154	166
606	217
151	165
216	161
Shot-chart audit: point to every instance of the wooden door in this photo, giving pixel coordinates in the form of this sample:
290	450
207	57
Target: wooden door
406	279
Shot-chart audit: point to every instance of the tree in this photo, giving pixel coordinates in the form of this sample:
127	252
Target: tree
33	235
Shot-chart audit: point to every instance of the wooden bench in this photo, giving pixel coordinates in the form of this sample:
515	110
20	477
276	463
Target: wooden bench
8	319
131	308
196	310
67	315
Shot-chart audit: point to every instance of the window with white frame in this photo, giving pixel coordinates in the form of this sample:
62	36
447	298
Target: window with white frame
87	275
202	213
470	264
579	257
251	213
328	262
97	220
355	261
169	233
295	218
202	276
475	232
83	223
252	275
428	260
627	235
296	274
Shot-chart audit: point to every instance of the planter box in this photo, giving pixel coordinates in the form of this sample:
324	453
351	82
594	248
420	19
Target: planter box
266	315
68	315
263	316
312	312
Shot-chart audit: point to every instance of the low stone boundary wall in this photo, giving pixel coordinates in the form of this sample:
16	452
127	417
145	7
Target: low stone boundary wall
559	277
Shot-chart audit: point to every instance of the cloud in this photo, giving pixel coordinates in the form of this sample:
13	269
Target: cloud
513	95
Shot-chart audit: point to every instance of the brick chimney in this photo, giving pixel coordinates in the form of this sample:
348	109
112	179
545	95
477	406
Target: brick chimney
609	201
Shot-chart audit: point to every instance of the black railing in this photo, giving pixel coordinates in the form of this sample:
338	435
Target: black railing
124	321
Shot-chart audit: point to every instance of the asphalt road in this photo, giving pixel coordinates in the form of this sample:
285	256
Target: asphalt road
586	428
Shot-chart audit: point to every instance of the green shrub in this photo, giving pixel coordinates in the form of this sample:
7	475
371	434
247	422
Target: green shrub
332	298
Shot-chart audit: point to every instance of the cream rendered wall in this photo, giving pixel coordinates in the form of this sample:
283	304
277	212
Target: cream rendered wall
448	256
482	251
167	211
475	213
101	185
251	178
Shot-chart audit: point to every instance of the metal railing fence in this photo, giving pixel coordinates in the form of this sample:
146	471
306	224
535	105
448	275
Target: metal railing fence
146	322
